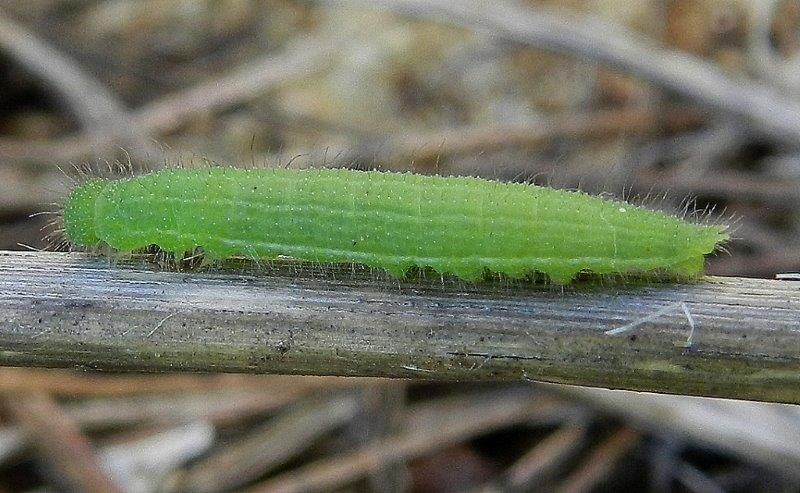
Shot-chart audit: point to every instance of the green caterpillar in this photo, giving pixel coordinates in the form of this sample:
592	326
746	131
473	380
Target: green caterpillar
462	226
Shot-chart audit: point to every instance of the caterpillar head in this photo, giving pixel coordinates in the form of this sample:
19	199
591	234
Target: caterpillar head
78	213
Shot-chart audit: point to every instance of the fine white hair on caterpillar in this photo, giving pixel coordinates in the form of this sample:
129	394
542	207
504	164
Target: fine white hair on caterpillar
462	226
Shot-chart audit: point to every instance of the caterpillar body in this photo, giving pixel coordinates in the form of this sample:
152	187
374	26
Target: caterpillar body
462	226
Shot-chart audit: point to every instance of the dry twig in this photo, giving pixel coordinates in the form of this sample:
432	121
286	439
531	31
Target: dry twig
268	446
437	427
105	119
597	40
61	441
352	323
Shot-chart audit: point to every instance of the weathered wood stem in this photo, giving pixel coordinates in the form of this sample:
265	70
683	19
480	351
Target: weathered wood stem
73	310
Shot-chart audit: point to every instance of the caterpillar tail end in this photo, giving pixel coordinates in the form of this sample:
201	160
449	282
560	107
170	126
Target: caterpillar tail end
79	211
